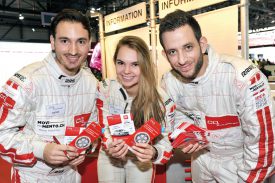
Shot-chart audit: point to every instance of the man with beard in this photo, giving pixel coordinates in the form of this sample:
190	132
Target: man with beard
42	99
226	95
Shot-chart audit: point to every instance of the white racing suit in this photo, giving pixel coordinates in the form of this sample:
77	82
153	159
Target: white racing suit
37	103
113	99
232	99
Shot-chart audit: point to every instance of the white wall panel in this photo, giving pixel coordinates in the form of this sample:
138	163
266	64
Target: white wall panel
14	56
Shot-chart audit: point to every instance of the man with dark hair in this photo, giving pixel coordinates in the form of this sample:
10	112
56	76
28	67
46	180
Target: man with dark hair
42	99
226	95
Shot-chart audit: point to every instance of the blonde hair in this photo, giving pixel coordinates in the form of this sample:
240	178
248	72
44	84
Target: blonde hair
147	103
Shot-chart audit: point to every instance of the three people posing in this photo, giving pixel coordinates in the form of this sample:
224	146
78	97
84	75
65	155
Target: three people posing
223	94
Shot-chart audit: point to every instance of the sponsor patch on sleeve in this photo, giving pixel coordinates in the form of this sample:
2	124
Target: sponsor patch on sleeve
257	87
261	100
20	77
258	90
247	70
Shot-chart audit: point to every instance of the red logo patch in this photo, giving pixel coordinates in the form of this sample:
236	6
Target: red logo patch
81	120
218	123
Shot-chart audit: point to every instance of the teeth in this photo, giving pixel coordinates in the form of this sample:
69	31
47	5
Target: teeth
72	58
127	77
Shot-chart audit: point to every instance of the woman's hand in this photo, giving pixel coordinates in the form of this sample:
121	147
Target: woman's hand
117	149
144	152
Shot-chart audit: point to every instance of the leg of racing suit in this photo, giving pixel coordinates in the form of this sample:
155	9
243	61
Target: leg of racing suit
69	176
210	168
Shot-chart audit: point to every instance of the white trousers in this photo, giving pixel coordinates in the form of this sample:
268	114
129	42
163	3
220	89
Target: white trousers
211	168
129	170
70	176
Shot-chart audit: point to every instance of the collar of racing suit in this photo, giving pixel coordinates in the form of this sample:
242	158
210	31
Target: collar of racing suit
58	74
213	60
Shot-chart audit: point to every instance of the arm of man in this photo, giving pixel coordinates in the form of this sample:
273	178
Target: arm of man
16	104
179	114
257	113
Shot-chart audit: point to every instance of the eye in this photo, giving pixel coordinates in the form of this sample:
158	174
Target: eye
135	64
64	41
172	52
82	41
188	47
119	62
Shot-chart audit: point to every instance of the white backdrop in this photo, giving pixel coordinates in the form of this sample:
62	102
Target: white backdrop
15	55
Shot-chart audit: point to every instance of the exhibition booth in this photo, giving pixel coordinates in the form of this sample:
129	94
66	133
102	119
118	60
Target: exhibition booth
219	26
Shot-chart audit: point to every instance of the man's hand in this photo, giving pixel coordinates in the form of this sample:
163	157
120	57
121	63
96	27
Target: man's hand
77	161
54	154
188	147
118	149
144	152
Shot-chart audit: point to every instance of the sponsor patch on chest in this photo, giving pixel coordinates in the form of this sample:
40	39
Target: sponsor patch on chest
81	120
222	122
50	127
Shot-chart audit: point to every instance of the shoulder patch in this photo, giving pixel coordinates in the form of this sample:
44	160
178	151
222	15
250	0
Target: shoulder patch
244	68
248	69
22	77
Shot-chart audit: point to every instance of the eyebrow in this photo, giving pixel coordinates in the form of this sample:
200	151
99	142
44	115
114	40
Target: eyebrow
62	38
81	38
119	60
183	46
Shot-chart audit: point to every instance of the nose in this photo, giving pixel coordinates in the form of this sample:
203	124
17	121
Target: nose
73	49
182	57
127	68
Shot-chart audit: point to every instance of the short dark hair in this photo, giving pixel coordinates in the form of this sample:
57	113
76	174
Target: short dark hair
177	19
70	15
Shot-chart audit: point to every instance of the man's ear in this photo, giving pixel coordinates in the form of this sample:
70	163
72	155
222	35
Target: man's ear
203	44
164	54
52	42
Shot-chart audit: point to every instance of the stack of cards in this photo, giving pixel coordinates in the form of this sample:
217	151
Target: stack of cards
87	137
189	133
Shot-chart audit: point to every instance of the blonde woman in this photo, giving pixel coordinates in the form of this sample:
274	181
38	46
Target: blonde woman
135	91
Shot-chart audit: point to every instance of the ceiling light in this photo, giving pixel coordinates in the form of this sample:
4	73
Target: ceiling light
21	17
92	9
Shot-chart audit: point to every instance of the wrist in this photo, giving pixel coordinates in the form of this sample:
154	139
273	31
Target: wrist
155	155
